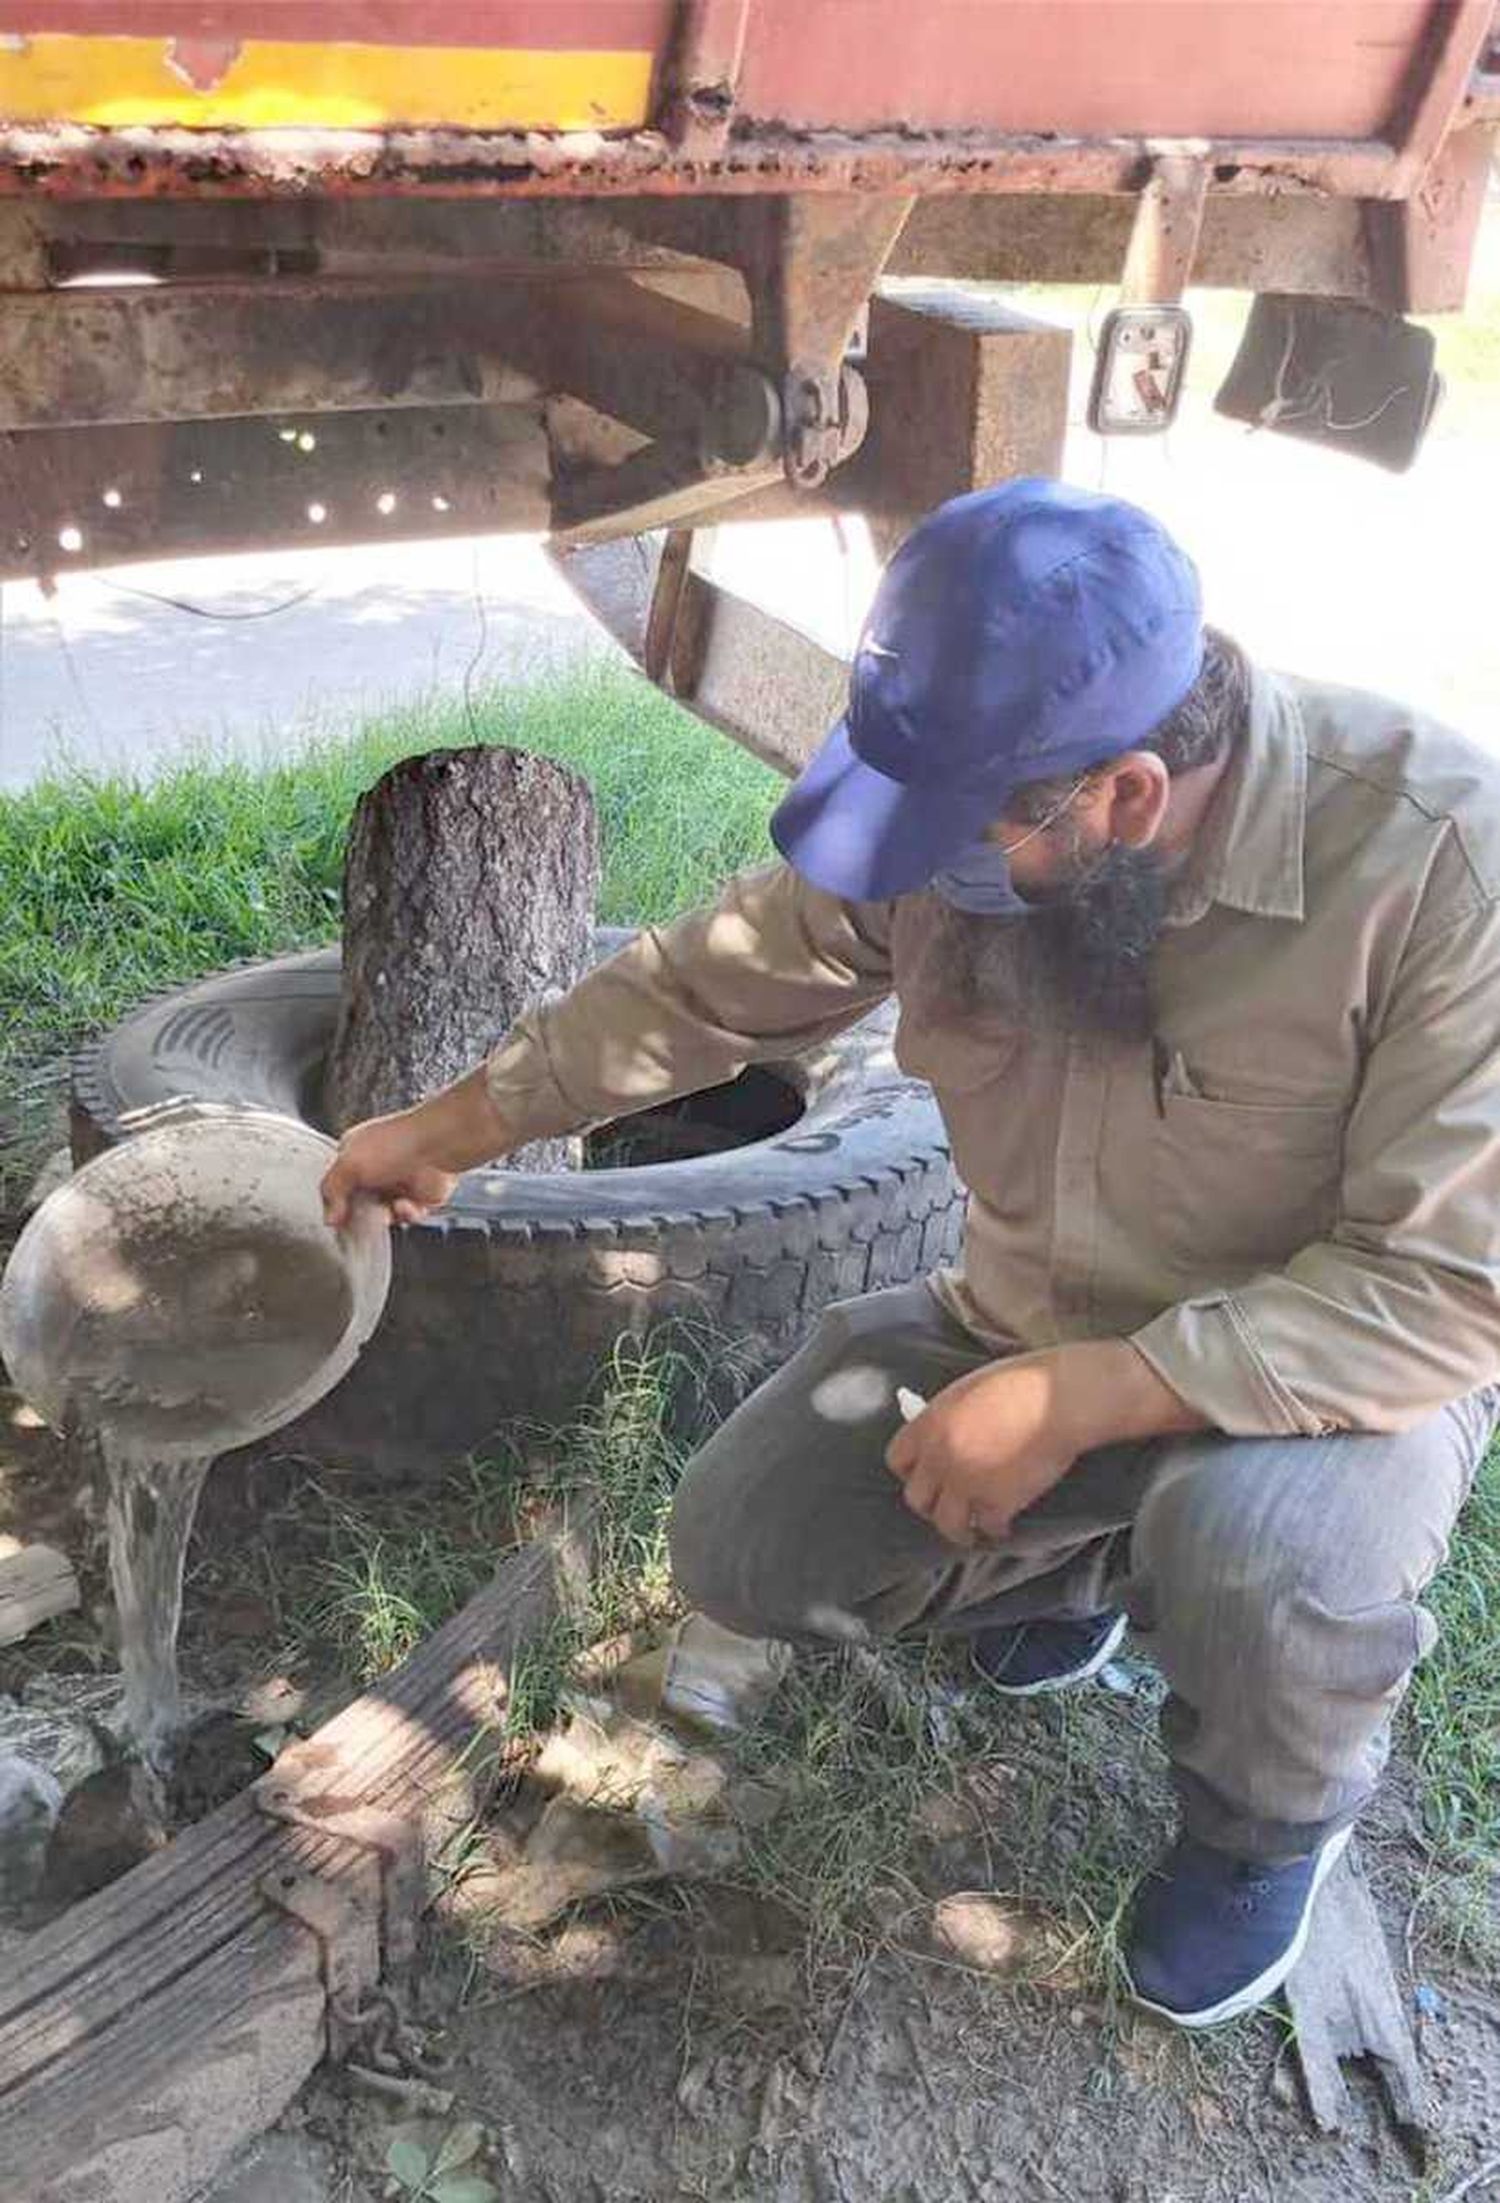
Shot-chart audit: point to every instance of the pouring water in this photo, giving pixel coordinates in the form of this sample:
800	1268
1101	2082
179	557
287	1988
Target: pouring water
181	1296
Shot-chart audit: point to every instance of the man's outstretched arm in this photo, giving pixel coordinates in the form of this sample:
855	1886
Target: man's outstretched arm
773	966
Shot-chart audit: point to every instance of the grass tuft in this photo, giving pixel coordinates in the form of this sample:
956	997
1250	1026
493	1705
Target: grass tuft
363	1580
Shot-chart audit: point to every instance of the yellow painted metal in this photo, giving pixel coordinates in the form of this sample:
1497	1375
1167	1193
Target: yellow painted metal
266	84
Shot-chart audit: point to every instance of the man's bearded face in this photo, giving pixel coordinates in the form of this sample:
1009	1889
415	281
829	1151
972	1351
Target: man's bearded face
1078	962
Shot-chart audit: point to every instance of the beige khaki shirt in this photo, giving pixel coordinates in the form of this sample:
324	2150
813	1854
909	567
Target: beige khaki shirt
1290	1200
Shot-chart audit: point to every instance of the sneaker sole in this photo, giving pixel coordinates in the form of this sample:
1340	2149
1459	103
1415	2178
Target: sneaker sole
1265	1984
1070	1677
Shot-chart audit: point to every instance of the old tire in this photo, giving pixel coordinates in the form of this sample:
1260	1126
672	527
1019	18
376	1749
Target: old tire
505	1304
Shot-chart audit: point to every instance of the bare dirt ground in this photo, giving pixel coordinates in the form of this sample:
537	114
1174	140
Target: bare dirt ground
681	2046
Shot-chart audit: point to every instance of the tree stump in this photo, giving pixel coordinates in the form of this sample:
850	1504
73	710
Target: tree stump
470	881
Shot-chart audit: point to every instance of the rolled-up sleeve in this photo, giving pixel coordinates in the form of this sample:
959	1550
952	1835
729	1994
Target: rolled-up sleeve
774	965
1397	1310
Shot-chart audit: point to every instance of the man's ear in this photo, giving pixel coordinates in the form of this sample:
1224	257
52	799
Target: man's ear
1137	791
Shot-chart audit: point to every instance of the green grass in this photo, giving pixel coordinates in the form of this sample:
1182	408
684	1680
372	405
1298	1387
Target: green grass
1452	1718
361	1573
113	889
898	1772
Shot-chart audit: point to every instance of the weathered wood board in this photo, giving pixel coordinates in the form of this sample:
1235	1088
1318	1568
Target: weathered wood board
36	1583
156	2027
1345	2003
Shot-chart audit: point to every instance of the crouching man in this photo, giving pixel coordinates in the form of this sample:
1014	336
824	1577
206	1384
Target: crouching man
1203	966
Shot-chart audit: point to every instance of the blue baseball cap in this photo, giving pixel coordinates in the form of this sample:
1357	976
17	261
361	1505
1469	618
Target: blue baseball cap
1019	633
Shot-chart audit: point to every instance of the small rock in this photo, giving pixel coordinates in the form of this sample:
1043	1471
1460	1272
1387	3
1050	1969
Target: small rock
1000	1936
979	1930
30	1801
113	1820
1430	2002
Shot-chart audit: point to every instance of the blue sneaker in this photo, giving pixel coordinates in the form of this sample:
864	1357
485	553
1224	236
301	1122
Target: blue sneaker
1028	1658
1214	1936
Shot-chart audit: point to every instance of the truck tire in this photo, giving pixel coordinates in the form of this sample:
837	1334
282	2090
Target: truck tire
506	1303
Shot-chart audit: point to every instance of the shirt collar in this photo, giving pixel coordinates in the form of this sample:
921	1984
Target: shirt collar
1252	859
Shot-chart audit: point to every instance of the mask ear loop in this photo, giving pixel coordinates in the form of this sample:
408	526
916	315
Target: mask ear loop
1009	848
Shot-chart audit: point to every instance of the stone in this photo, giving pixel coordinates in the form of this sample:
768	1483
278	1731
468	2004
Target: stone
1010	1940
30	1801
280	2168
115	1818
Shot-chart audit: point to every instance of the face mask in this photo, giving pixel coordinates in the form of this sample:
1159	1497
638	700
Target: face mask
979	881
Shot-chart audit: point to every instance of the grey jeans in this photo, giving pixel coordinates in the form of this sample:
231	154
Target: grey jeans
1275	1580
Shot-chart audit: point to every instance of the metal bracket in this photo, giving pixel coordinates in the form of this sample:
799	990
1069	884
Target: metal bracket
666	604
348	1939
1164	236
394	1841
826	415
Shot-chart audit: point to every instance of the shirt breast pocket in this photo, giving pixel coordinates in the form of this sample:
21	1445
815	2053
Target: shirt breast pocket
1244	1185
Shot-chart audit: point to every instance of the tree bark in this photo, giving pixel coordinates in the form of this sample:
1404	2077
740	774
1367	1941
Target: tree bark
470	881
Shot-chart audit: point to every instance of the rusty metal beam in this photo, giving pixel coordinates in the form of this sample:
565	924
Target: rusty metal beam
764	683
810	265
72	162
181	352
1294	243
381	238
92	355
662	486
1299	242
83	497
1458	36
663	366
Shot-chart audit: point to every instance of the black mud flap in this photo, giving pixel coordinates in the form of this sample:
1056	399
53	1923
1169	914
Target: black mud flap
1336	373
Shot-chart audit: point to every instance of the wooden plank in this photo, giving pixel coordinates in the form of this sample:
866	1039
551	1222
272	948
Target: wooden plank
36	1583
162	2023
1345	2003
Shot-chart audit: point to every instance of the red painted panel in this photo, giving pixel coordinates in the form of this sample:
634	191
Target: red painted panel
629	26
1085	68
